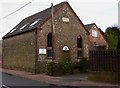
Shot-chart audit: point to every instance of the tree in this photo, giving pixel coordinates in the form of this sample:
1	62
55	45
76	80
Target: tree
113	37
118	46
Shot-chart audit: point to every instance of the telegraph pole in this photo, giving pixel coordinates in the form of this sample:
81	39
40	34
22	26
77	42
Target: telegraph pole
52	30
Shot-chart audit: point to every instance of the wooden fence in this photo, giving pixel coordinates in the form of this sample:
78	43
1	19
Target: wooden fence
105	60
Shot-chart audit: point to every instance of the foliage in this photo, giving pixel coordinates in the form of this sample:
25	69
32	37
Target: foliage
83	65
113	37
61	68
66	65
50	68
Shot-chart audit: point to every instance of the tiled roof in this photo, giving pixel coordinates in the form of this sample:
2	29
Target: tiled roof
36	20
33	21
89	26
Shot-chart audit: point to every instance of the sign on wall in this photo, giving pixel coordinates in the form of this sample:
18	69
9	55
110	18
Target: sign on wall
65	48
42	51
65	19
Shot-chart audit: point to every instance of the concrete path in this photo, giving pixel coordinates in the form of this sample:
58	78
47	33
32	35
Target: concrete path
70	80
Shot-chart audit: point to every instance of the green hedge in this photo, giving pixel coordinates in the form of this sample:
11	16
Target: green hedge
66	66
82	66
61	68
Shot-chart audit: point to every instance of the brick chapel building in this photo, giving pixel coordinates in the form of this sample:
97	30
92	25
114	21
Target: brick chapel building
31	43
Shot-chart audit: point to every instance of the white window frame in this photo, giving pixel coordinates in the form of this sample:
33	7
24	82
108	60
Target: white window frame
94	33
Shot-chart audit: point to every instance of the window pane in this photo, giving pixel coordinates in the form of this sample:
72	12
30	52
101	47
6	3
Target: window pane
49	52
79	53
94	33
49	45
79	41
79	46
49	41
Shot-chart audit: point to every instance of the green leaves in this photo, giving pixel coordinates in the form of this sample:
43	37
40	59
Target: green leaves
113	37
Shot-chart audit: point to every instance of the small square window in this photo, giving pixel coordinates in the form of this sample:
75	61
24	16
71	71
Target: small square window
94	33
95	27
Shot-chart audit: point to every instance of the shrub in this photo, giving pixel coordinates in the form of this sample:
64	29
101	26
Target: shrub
83	65
67	66
50	68
62	68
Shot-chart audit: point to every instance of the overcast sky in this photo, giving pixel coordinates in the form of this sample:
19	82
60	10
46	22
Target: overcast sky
103	12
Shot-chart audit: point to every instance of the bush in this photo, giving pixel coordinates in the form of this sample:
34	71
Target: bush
83	65
62	68
67	66
50	68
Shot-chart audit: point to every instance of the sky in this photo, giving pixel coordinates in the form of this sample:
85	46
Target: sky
102	12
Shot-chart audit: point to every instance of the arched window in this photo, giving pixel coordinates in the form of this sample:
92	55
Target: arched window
49	45
79	46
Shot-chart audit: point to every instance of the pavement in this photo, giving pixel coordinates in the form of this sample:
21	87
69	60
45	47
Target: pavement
69	80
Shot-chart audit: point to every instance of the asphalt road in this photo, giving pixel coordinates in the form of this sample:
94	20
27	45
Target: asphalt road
11	80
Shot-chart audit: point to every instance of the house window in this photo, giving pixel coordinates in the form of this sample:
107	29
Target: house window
79	46
94	33
49	45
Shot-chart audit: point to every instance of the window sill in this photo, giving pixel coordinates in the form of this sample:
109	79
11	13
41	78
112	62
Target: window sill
49	57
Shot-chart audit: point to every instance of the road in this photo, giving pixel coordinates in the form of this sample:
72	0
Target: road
11	80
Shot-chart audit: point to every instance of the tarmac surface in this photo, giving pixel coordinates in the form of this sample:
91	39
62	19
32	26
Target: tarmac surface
69	80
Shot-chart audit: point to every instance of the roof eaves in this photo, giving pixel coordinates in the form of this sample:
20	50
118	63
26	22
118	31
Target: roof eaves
7	36
89	26
17	33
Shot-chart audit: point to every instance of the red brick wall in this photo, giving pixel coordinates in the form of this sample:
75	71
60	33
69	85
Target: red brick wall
100	40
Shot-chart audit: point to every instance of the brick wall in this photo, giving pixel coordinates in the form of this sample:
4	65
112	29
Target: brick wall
65	34
19	52
100	40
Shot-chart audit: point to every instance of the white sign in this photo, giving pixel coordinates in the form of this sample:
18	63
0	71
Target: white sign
64	19
65	48
42	51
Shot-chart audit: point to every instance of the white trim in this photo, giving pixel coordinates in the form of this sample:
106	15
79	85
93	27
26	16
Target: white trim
94	33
